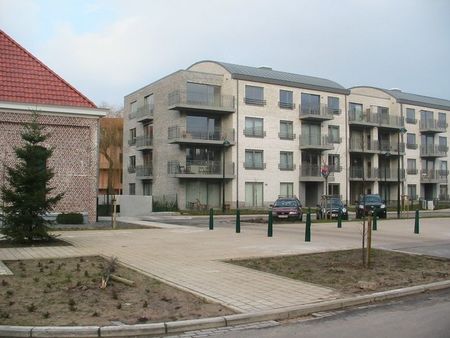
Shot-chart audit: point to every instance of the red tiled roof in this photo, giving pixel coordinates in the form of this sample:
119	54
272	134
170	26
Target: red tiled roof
25	79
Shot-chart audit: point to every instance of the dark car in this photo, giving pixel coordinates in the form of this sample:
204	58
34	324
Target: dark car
330	207
287	208
369	204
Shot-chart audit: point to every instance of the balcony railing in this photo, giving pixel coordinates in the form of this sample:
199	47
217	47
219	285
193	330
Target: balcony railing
310	170
433	150
254	102
144	141
390	174
391	147
434	176
142	111
432	125
131	169
363	118
286	105
411	171
375	119
182	133
322	142
357	145
286	166
334	168
183	98
411	145
360	173
132	141
254	132
199	168
255	165
391	121
320	113
286	136
144	171
411	120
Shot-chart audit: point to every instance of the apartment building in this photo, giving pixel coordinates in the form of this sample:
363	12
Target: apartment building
220	133
391	129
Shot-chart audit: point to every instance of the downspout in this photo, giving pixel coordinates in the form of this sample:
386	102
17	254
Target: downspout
347	154
237	144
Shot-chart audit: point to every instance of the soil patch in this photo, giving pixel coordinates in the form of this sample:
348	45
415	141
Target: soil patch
101	225
66	292
51	242
343	271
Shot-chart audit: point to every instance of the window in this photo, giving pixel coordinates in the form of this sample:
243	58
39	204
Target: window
254	194
254	95
132	139
411	141
334	189
355	112
133	107
286	99
334	163
286	130
146	188
203	127
286	160
411	116
254	127
333	105
254	159
149	102
310	104
443	192
132	164
286	189
202	94
411	168
442	120
311	134
412	192
132	188
443	144
333	134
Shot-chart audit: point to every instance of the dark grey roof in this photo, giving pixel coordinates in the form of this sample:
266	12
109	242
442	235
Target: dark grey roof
414	99
267	75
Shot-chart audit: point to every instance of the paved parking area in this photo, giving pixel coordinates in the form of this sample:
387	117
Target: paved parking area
192	258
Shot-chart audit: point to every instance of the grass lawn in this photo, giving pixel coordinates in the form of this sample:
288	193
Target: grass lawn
66	292
342	270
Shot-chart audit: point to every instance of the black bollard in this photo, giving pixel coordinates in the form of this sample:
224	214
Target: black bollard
238	221
308	227
374	222
416	222
211	219
270	225
339	223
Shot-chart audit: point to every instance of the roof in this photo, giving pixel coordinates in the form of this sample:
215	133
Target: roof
414	99
268	75
25	79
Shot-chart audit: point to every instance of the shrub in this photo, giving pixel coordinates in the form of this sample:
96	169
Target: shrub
70	218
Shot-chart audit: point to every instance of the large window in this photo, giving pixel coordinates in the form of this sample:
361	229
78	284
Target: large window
310	134
202	127
310	104
254	95
202	154
286	160
254	159
202	94
254	194
146	188
254	127
286	99
355	111
442	120
334	163
286	189
333	105
443	143
149	102
333	134
411	168
132	139
411	141
411	116
286	130
133	107
132	164
412	192
132	188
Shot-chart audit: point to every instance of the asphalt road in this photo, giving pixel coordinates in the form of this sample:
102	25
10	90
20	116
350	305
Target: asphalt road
426	315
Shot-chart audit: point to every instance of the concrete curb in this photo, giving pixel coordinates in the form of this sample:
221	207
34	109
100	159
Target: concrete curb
158	329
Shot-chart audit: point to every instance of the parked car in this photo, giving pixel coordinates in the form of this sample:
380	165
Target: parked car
330	207
287	207
370	204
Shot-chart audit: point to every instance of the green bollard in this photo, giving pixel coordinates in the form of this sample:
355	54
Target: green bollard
238	221
211	219
374	221
416	223
270	225
339	223
308	227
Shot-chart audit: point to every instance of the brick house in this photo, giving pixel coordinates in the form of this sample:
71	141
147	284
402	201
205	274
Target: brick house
71	119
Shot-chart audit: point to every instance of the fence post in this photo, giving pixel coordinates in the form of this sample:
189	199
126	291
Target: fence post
374	221
211	219
416	222
238	221
270	225
339	223
308	226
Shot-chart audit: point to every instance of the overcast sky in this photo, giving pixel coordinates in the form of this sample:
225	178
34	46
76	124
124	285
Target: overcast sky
109	48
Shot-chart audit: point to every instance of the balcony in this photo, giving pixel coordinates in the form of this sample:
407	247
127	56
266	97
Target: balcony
254	102
357	173
131	169
391	147
286	166
181	135
312	173
411	171
144	142
388	121
322	113
363	119
200	169
432	126
433	176
143	113
357	146
390	174
315	143
433	150
286	136
411	146
191	101
144	172
286	105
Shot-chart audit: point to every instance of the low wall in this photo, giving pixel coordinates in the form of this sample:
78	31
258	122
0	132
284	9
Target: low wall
134	205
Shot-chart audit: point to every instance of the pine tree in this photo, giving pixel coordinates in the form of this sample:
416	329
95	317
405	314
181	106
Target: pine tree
26	193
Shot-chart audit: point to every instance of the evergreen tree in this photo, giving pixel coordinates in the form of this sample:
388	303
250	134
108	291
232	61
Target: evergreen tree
26	193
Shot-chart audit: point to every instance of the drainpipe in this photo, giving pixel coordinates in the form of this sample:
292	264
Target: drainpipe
347	154
237	144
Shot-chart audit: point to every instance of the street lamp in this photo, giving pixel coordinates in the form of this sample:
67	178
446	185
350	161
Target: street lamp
386	154
401	131
225	144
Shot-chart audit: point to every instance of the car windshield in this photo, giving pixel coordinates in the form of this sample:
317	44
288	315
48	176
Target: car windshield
371	199
286	204
334	203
